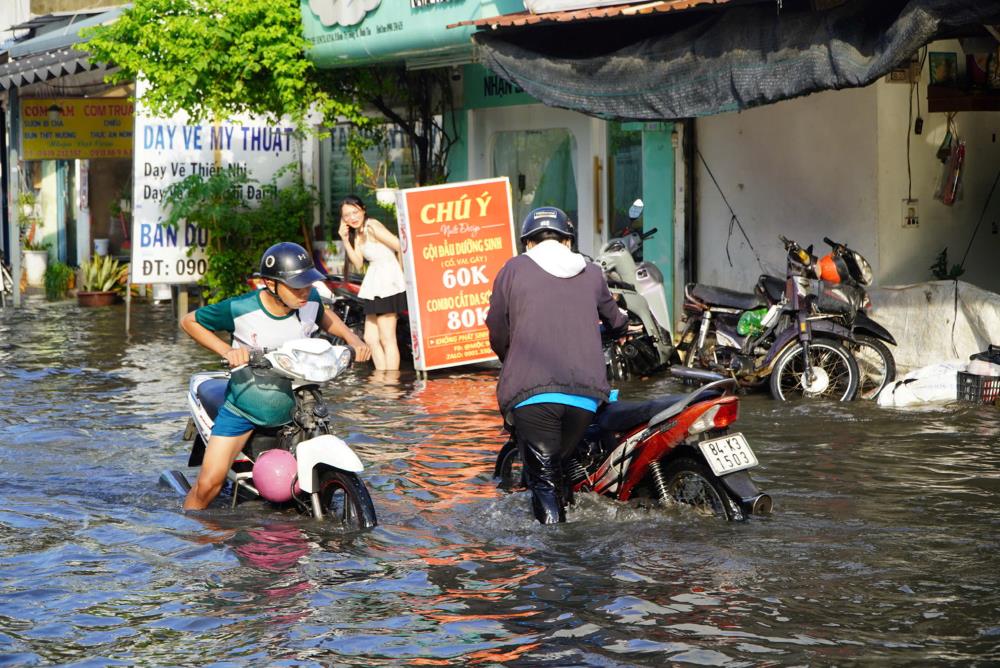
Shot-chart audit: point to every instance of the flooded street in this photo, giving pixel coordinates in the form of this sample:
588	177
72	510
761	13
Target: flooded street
882	548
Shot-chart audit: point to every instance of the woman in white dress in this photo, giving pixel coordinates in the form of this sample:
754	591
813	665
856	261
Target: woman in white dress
383	288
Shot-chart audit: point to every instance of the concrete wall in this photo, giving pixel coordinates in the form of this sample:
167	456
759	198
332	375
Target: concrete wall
907	254
803	168
835	164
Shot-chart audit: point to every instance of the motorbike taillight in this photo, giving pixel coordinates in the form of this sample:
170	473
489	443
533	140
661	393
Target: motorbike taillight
719	416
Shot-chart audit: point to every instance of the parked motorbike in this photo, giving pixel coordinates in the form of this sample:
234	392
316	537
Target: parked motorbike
844	274
317	472
637	286
341	297
349	308
671	449
789	343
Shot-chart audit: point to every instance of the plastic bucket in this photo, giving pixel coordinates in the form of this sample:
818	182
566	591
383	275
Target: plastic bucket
101	246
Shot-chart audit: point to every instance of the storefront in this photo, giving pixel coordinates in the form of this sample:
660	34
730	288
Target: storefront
67	162
591	168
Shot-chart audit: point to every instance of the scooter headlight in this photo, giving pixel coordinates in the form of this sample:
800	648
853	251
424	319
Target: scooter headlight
865	275
316	363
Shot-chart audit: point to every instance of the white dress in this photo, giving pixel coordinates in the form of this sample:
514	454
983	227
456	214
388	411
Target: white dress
384	277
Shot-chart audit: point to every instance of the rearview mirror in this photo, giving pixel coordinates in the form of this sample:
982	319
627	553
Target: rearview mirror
635	210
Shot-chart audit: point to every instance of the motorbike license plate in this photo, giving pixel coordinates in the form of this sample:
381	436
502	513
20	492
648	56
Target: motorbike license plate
728	454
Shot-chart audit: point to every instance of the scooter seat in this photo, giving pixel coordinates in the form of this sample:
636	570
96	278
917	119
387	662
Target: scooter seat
714	296
772	286
619	416
212	394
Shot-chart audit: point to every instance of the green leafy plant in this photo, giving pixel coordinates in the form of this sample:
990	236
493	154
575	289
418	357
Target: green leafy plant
58	276
103	273
217	58
35	244
29	221
238	234
940	268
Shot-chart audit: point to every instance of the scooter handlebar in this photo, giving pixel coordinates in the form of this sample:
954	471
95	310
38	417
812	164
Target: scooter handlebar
646	235
257	360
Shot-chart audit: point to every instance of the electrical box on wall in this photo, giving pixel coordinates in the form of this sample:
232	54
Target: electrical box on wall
905	73
911	213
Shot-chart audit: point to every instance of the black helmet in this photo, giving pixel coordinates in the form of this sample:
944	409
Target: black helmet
290	264
547	218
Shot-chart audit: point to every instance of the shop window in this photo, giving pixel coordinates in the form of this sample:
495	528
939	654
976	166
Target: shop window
541	167
624	175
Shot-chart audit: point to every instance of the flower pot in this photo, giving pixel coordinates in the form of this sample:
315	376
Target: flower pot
103	298
101	246
35	263
385	196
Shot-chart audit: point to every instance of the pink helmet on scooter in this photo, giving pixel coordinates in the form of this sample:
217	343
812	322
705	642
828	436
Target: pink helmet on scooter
273	475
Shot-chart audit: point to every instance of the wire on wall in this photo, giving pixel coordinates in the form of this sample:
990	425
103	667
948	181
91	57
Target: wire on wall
916	126
733	220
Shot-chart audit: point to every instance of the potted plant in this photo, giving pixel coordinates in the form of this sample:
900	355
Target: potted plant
102	281
34	250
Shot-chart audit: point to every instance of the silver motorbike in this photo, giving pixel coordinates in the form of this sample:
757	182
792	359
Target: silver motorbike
638	288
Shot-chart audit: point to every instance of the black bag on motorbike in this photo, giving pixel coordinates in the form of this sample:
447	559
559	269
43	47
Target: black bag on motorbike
840	299
262	396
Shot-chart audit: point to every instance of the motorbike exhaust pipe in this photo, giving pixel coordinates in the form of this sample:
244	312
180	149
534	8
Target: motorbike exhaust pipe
699	375
762	505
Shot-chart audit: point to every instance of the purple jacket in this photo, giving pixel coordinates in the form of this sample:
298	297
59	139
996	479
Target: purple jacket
543	323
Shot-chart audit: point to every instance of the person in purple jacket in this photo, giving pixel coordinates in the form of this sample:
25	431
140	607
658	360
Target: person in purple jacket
544	326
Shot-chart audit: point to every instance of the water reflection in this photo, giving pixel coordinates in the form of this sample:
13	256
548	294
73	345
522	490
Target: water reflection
881	549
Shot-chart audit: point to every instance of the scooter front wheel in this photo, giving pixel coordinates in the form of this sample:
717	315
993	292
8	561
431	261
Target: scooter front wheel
834	372
875	364
344	500
617	365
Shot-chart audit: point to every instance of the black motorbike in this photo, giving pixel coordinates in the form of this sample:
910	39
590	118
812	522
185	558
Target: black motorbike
789	343
841	293
349	307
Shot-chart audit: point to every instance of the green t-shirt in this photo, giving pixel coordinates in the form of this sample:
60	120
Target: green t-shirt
260	395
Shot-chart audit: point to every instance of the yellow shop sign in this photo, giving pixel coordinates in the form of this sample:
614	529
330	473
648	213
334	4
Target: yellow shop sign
76	128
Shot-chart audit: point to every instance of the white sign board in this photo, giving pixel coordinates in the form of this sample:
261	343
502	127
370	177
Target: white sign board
167	150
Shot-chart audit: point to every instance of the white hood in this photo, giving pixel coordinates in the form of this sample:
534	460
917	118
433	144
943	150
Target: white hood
555	258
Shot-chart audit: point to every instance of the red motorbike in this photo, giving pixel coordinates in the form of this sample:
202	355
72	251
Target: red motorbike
671	449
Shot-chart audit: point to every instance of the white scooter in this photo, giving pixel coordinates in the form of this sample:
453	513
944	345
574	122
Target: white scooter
638	288
301	461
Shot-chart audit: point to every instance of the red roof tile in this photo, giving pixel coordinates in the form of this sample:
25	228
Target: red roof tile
630	9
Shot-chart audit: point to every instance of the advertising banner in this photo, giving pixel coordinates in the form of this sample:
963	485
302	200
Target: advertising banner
455	238
76	128
168	150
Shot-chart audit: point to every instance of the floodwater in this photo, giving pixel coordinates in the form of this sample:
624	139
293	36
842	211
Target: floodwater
882	548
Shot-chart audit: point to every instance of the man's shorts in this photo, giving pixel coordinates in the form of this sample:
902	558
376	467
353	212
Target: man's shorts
228	423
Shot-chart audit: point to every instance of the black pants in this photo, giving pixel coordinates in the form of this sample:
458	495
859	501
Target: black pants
545	434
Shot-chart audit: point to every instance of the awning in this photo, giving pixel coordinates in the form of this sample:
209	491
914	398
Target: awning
64	37
52	54
683	65
520	19
43	67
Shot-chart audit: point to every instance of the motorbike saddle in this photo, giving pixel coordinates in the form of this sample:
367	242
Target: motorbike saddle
709	294
620	416
212	394
773	287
